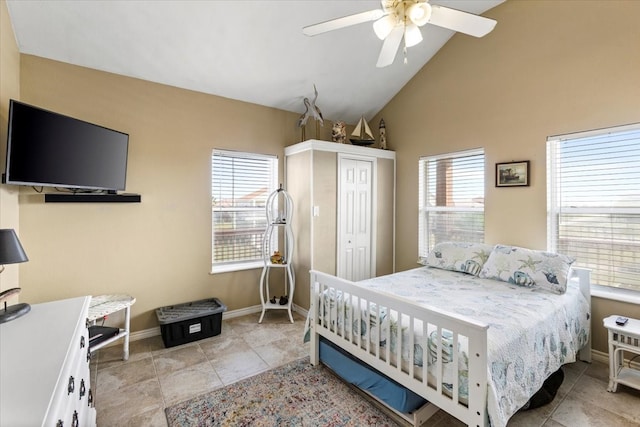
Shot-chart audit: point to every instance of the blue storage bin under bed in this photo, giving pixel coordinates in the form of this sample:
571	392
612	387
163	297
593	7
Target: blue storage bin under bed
367	378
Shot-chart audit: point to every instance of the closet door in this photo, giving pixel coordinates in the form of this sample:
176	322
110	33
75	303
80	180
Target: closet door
355	219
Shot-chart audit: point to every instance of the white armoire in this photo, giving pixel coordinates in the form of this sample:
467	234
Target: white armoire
343	197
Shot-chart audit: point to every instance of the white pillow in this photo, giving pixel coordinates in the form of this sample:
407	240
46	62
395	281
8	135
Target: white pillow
465	257
529	268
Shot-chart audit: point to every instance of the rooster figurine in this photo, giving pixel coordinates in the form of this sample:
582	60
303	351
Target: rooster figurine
339	132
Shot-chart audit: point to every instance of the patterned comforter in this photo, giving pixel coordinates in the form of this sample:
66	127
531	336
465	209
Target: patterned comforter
531	332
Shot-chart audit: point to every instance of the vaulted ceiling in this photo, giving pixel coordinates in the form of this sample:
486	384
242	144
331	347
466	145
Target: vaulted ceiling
252	51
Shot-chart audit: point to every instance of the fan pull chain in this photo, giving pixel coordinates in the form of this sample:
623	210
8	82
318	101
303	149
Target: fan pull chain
405	53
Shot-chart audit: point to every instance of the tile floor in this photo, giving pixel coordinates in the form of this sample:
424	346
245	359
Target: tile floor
135	393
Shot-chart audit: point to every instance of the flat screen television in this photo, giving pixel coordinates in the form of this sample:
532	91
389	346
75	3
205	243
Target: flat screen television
49	149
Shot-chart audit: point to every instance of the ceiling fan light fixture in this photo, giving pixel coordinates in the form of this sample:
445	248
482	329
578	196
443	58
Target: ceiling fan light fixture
412	35
383	26
402	19
420	13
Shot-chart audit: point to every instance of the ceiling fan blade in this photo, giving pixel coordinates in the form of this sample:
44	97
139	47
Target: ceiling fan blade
390	47
462	22
345	21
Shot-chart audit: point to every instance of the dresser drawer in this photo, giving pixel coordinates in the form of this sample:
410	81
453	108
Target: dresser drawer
73	388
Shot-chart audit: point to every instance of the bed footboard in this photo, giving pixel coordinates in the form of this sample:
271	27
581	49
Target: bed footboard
584	279
414	345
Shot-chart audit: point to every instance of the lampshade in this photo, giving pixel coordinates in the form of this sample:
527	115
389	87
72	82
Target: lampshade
412	35
11	251
383	26
420	13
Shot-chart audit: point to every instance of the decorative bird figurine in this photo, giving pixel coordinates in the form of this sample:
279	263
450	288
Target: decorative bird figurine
311	110
302	121
315	110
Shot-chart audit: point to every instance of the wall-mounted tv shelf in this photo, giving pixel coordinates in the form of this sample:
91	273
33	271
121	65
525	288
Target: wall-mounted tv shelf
92	198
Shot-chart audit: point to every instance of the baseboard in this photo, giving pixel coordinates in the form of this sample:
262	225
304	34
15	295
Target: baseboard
154	332
146	333
601	356
241	312
301	311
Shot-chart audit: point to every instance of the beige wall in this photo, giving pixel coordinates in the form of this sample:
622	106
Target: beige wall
315	237
9	89
385	217
549	67
301	193
325	226
159	250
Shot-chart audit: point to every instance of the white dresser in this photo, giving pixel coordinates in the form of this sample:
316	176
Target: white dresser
44	367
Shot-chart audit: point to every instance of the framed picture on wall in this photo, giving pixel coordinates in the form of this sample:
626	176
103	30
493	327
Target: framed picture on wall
512	174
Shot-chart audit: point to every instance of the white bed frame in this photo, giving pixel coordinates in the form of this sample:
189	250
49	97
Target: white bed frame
475	412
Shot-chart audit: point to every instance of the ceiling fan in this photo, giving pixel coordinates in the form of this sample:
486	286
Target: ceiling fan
403	18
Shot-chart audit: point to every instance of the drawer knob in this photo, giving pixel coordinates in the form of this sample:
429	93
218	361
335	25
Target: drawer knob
82	343
90	398
88	355
59	423
72	385
83	389
75	422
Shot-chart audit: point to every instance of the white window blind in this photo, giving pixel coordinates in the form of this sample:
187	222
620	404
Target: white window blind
594	202
240	186
451	199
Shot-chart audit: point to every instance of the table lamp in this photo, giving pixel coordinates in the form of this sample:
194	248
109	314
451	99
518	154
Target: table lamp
11	252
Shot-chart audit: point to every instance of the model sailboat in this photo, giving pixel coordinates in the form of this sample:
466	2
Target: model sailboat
362	134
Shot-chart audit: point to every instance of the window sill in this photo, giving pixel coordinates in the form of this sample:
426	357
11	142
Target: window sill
616	294
236	267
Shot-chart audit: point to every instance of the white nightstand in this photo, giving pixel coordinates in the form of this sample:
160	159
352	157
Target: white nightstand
621	339
104	305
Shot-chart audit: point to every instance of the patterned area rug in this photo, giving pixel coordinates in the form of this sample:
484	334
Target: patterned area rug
297	394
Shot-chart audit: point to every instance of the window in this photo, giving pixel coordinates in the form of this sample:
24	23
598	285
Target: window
451	199
593	190
240	186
